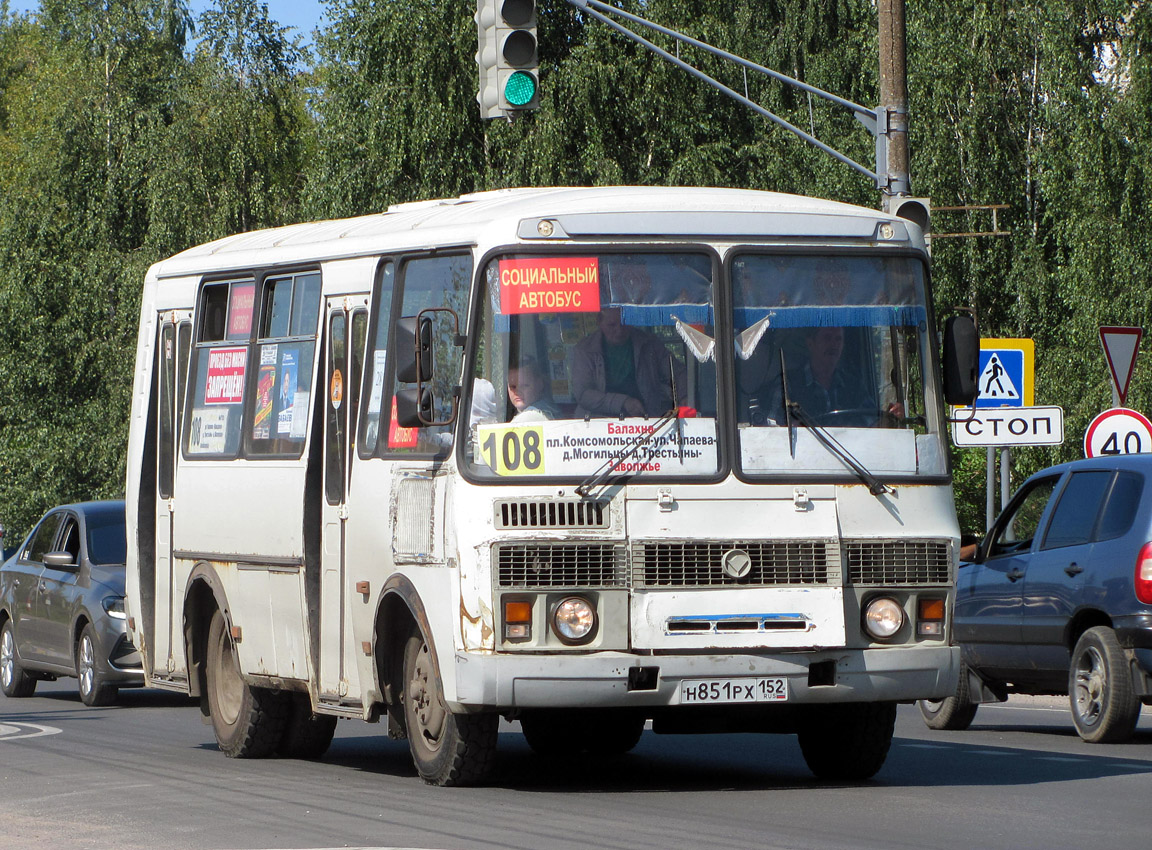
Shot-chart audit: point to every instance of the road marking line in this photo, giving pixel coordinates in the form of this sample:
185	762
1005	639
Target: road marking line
15	731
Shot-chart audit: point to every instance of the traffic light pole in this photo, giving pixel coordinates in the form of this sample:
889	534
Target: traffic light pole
887	123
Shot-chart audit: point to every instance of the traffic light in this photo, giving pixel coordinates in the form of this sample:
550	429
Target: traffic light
507	58
916	210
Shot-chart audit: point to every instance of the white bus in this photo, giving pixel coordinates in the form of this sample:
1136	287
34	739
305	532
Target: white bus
590	459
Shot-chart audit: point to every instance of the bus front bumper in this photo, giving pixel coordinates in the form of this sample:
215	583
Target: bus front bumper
623	680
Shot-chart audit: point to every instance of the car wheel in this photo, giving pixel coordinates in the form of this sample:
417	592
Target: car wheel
447	748
13	680
93	689
306	735
847	742
1104	707
953	713
249	722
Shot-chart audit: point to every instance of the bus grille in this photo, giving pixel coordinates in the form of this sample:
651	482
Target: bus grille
551	514
561	565
896	562
699	564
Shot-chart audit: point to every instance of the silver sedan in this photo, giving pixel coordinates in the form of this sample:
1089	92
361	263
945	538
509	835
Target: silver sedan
62	605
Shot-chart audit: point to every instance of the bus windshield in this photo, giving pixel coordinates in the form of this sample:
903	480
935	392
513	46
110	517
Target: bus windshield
838	343
580	357
583	360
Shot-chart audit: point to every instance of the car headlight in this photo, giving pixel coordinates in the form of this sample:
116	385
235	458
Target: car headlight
883	617
574	619
114	606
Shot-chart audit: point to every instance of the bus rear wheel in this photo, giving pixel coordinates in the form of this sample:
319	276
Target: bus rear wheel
306	735
847	742
447	748
249	722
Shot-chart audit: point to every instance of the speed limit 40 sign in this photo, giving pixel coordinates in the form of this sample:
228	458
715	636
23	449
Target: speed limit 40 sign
1118	431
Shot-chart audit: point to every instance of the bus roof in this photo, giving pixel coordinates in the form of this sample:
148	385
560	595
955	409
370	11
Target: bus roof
509	215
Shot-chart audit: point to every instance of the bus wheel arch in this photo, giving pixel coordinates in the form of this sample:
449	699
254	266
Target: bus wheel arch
203	597
399	615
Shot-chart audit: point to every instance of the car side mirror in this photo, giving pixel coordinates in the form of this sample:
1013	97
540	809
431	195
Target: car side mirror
61	561
961	361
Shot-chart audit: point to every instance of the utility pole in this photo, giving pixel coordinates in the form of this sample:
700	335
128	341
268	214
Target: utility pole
894	94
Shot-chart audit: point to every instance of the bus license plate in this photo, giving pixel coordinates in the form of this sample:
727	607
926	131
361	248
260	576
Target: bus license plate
697	691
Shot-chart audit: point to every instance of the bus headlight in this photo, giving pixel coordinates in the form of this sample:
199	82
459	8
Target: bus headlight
574	619
883	617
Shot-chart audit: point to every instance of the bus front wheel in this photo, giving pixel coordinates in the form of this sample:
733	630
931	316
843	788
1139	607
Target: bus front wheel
248	721
447	748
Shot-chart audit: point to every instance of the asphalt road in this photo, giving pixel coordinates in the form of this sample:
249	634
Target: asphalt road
147	775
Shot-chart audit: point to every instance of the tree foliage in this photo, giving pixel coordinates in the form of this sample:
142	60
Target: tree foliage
129	132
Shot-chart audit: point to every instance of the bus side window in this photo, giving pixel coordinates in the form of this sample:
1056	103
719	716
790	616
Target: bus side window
280	399
219	369
377	359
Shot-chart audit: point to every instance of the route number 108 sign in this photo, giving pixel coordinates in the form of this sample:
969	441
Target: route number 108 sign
1118	431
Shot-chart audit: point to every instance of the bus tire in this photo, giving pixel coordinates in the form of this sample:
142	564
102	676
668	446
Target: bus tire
447	748
612	734
248	721
847	742
13	680
306	735
1105	709
954	713
550	733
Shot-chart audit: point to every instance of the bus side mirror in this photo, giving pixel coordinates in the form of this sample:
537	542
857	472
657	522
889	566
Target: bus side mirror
961	361
414	407
414	364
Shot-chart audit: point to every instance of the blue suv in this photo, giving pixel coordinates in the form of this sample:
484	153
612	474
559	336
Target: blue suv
1058	599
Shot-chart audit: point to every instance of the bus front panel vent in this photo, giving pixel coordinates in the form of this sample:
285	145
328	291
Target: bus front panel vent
897	562
767	564
551	513
547	565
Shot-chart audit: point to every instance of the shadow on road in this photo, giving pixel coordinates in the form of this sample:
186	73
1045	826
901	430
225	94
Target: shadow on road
761	762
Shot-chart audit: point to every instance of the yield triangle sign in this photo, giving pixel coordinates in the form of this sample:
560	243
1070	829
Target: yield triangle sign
1121	345
995	382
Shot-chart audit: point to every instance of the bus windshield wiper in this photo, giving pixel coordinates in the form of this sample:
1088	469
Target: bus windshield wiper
608	473
875	486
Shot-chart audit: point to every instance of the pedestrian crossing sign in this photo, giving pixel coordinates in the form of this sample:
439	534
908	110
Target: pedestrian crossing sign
1007	369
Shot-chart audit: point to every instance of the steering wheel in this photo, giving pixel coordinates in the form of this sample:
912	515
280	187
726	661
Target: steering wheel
852	417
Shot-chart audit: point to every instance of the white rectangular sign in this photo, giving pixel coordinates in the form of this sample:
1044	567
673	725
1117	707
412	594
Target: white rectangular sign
1008	426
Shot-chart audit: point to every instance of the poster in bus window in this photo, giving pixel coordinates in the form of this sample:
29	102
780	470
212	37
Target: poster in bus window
208	431
376	400
242	299
287	400
224	383
265	391
549	285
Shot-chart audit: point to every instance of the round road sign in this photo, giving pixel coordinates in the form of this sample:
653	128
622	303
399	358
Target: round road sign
1118	431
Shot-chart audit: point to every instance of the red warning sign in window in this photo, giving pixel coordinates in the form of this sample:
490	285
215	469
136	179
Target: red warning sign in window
550	285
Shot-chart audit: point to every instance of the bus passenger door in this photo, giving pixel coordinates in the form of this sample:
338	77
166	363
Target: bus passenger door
346	329
164	636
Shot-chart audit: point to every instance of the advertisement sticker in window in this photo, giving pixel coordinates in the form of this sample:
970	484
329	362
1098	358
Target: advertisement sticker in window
549	285
225	381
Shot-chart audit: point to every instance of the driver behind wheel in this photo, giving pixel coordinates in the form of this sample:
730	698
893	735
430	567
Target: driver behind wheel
824	390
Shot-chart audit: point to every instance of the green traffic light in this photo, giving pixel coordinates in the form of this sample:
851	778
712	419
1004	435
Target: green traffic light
520	88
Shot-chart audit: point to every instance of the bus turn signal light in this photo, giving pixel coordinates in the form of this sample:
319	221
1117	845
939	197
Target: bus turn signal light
517	620
930	619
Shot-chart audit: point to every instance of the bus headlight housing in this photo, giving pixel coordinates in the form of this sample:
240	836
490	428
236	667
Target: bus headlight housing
883	617
574	620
